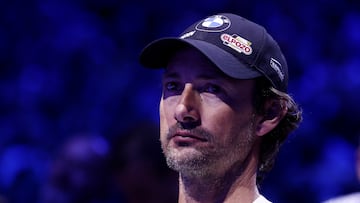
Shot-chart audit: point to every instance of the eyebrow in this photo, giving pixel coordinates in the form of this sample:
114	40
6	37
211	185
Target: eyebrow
211	77
206	76
170	74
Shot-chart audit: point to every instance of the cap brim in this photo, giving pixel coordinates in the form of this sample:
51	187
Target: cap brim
158	53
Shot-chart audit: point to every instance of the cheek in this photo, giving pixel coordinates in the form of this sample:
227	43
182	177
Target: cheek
163	123
226	121
166	118
220	122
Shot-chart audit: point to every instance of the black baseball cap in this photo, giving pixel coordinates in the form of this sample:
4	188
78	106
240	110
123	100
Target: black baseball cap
239	47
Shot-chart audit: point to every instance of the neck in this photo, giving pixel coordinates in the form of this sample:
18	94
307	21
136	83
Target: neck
236	185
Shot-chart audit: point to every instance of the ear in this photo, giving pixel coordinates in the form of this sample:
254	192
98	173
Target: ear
275	111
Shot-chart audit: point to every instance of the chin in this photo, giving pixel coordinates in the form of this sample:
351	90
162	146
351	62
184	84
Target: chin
187	160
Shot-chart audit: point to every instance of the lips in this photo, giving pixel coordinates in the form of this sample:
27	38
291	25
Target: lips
187	136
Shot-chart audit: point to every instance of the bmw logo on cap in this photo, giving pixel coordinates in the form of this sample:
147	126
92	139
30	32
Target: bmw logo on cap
216	23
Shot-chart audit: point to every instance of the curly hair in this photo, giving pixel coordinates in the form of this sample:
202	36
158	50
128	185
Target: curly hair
272	141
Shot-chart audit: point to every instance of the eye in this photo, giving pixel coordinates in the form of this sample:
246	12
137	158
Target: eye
171	86
211	88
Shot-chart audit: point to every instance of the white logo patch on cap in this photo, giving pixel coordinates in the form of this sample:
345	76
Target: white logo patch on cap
216	23
276	65
237	43
188	34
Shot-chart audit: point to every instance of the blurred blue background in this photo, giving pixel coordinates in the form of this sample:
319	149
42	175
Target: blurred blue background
71	66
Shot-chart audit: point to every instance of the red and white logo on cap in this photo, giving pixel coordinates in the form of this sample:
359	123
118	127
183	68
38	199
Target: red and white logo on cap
237	43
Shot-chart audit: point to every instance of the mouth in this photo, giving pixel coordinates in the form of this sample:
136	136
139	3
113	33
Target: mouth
186	138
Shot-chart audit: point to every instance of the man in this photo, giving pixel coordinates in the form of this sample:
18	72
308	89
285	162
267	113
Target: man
224	111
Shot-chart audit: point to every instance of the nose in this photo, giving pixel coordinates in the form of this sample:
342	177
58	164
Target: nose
187	109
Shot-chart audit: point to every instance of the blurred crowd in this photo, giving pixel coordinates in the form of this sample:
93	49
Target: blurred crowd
79	116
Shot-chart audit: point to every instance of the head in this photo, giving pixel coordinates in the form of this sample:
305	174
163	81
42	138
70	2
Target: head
224	99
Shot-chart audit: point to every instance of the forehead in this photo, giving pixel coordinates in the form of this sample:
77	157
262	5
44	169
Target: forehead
191	61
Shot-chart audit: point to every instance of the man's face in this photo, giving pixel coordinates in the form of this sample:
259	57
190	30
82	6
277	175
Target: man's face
206	118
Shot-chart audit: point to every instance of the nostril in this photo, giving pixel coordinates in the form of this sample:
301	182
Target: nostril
190	124
186	114
188	119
